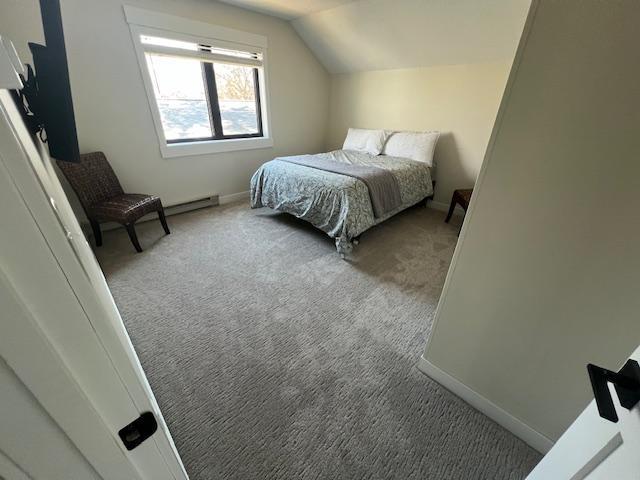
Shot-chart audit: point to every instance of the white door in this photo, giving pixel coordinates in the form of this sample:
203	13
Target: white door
595	448
61	335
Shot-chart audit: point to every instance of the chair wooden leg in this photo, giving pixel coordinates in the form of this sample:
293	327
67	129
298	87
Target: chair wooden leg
163	221
97	234
132	235
451	209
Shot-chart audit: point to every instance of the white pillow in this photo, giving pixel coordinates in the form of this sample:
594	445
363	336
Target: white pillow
365	140
417	146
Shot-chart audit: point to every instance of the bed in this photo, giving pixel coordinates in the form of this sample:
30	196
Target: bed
337	191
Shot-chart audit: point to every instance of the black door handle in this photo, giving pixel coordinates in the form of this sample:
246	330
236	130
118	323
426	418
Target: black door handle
626	383
138	431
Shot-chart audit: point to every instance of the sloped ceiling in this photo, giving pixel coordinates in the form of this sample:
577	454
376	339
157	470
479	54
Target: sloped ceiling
287	9
384	34
363	35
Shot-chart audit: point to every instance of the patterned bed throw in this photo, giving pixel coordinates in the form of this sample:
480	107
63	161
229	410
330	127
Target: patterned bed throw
382	184
338	204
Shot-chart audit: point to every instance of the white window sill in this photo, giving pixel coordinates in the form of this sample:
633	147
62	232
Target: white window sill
173	150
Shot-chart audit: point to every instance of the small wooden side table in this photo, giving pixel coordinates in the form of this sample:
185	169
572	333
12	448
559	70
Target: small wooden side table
461	197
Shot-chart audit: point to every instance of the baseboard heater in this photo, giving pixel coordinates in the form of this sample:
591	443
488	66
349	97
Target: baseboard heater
183	207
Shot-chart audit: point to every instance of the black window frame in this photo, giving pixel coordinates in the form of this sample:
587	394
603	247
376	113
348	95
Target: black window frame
213	105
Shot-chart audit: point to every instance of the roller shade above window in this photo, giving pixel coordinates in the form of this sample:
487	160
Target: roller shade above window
205	53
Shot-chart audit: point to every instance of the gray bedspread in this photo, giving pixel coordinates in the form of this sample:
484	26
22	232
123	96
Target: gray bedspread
339	205
384	191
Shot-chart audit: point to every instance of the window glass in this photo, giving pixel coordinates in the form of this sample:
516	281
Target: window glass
180	92
237	99
200	96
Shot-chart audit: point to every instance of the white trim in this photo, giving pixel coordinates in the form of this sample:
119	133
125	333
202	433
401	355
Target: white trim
90	339
183	207
169	210
171	52
443	207
487	158
478	190
234	197
145	22
13	56
9	78
532	437
190	37
9	469
516	426
172	23
609	447
173	150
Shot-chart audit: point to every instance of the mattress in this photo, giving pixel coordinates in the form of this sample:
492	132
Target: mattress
337	204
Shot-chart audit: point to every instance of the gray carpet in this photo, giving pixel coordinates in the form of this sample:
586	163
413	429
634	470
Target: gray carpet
271	358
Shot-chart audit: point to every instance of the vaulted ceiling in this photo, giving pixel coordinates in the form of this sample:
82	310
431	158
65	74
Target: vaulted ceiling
287	9
363	35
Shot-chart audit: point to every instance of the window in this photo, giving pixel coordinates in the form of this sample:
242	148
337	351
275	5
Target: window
206	94
203	98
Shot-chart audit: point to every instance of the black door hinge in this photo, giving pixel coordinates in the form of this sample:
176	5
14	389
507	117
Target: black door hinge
138	431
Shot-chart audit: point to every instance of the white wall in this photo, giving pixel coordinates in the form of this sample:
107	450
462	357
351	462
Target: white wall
545	277
113	114
416	65
460	101
369	35
459	63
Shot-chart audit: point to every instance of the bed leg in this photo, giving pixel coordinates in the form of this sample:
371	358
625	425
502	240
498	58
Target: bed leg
344	247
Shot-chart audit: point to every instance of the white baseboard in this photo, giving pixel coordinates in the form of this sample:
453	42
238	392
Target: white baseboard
181	208
234	197
521	430
444	207
170	210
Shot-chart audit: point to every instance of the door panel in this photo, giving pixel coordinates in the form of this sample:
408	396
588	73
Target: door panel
64	337
32	443
593	448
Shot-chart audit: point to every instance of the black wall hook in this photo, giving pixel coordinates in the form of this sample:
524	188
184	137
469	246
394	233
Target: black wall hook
626	383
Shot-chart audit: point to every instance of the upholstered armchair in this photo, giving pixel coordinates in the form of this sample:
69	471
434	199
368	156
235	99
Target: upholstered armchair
103	199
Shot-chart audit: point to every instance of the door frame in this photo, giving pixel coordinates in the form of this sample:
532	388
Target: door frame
516	426
66	344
